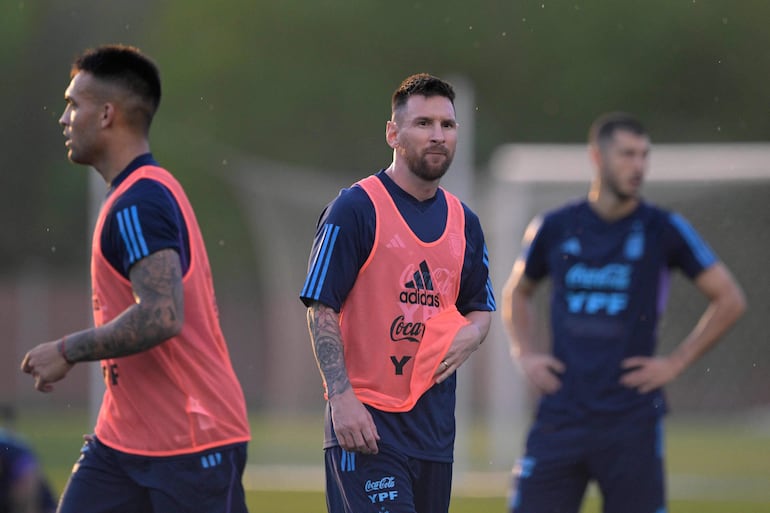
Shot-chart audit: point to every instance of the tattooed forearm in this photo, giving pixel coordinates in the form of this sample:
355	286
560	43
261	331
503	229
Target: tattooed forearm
156	315
323	323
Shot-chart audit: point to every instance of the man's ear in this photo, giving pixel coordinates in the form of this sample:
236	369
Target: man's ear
108	114
391	134
595	154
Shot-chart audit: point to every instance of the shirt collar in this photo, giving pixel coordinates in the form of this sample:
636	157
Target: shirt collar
142	160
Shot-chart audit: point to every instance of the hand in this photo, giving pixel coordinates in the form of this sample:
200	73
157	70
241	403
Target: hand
353	424
467	340
46	364
648	373
542	371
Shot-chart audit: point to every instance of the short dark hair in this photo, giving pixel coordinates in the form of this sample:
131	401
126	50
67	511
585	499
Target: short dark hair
127	67
421	84
604	127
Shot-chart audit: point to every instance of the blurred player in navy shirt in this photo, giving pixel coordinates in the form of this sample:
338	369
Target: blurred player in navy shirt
23	487
609	258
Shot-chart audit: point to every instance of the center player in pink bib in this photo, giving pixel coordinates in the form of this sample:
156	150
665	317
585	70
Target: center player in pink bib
398	297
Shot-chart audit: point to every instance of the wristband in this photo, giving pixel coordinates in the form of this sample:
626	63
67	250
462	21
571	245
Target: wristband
62	351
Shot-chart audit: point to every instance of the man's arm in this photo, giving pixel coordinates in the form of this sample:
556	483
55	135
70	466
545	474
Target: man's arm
727	304
353	424
467	340
520	321
156	315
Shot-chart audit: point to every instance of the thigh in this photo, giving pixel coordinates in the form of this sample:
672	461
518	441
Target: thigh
358	483
99	484
552	475
198	483
432	486
629	470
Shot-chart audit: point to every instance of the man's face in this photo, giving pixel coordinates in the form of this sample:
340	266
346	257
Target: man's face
623	163
82	118
426	135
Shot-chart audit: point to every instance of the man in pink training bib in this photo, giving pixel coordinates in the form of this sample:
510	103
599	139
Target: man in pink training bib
172	428
398	297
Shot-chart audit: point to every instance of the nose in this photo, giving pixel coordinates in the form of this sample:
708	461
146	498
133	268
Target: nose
640	163
63	120
437	134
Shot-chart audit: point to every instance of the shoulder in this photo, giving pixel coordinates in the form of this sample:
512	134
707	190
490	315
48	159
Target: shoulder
669	221
352	202
557	217
565	212
472	221
352	198
652	212
149	200
145	191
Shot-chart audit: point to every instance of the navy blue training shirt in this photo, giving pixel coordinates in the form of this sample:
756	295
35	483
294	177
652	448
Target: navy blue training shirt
610	282
343	241
145	219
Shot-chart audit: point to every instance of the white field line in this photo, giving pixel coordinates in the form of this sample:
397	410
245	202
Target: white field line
495	484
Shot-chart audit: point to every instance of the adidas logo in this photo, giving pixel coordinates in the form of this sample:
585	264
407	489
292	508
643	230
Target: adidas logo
420	284
395	242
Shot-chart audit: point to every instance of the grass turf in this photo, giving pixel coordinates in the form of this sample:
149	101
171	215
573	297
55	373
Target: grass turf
713	466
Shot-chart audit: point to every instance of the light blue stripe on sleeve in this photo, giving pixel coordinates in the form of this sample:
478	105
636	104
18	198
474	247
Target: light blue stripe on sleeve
491	295
315	268
490	292
130	231
122	228
312	274
138	230
699	248
335	232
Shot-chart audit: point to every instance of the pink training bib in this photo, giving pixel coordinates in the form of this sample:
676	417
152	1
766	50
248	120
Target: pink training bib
400	318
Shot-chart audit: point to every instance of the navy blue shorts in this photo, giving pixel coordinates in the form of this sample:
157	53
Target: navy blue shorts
385	482
626	463
105	480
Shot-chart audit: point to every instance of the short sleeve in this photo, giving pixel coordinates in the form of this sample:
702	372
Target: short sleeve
145	219
685	248
476	291
534	249
343	240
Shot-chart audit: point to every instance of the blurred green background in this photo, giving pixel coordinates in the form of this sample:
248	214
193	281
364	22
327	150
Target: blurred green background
270	107
308	83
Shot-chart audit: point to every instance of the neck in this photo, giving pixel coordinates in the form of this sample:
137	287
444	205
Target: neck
413	185
609	206
116	160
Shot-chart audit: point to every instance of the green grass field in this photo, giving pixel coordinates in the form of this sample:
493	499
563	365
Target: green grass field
713	466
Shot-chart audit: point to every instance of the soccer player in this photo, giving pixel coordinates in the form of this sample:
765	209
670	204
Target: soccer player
23	488
398	297
609	258
172	429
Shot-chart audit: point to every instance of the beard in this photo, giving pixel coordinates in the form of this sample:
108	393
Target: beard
616	188
619	193
423	167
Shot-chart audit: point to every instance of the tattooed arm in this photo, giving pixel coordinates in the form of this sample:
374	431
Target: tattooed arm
156	315
352	422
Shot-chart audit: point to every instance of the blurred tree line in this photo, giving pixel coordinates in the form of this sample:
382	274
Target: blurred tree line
309	83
